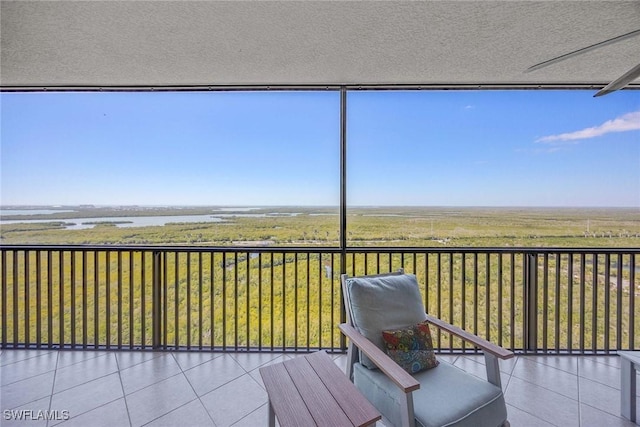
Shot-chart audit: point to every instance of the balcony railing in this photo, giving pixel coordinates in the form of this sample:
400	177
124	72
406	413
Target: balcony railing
529	300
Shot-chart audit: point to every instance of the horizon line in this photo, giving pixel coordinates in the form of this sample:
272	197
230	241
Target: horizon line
263	206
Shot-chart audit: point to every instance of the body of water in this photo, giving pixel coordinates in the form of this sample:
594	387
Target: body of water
133	221
124	221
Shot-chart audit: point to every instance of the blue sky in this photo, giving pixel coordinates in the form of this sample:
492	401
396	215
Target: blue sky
434	148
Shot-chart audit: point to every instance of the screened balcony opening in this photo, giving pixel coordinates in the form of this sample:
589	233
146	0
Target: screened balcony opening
194	232
222	219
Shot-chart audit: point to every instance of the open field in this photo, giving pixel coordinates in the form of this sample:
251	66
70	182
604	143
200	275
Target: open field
392	226
217	294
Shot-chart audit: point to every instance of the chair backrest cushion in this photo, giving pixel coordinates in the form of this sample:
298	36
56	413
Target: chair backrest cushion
383	302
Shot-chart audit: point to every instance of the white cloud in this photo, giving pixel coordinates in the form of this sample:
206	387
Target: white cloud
625	123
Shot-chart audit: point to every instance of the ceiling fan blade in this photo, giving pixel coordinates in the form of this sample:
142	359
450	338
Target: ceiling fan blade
621	81
583	50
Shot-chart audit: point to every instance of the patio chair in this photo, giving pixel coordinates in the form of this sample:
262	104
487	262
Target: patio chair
443	395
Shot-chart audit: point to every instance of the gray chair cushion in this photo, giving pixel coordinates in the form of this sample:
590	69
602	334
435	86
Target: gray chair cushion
385	302
437	402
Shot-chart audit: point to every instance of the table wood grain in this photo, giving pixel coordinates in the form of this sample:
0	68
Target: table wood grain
311	390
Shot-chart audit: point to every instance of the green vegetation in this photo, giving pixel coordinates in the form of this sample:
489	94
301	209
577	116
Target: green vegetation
393	226
248	298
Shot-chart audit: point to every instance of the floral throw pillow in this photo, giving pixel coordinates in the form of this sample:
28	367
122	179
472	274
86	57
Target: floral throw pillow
411	348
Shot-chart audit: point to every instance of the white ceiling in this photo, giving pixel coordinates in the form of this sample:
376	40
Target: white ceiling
153	43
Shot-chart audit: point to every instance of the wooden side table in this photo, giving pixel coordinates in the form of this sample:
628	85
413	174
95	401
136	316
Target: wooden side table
312	391
630	364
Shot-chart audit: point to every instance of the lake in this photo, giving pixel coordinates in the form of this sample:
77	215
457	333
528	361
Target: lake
124	221
133	221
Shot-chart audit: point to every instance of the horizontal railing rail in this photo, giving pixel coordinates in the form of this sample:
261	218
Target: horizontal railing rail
530	300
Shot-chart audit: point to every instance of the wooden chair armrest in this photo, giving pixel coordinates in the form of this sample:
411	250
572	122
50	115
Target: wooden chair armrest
486	346
398	375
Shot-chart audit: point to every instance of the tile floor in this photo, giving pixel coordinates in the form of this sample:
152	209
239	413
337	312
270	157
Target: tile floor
100	388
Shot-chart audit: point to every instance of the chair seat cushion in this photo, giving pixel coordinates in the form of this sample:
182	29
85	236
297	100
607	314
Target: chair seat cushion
448	396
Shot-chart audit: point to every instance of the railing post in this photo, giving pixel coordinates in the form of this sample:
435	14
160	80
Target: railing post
531	301
157	300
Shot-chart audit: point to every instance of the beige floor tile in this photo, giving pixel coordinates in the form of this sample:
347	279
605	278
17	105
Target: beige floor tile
13	356
188	360
547	405
519	418
29	367
226	408
600	396
110	415
127	359
88	396
27	415
213	374
592	417
565	363
192	414
67	358
84	371
257	418
547	376
148	372
25	391
251	361
159	399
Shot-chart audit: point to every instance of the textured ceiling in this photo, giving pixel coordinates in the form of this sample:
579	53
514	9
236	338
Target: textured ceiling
149	43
